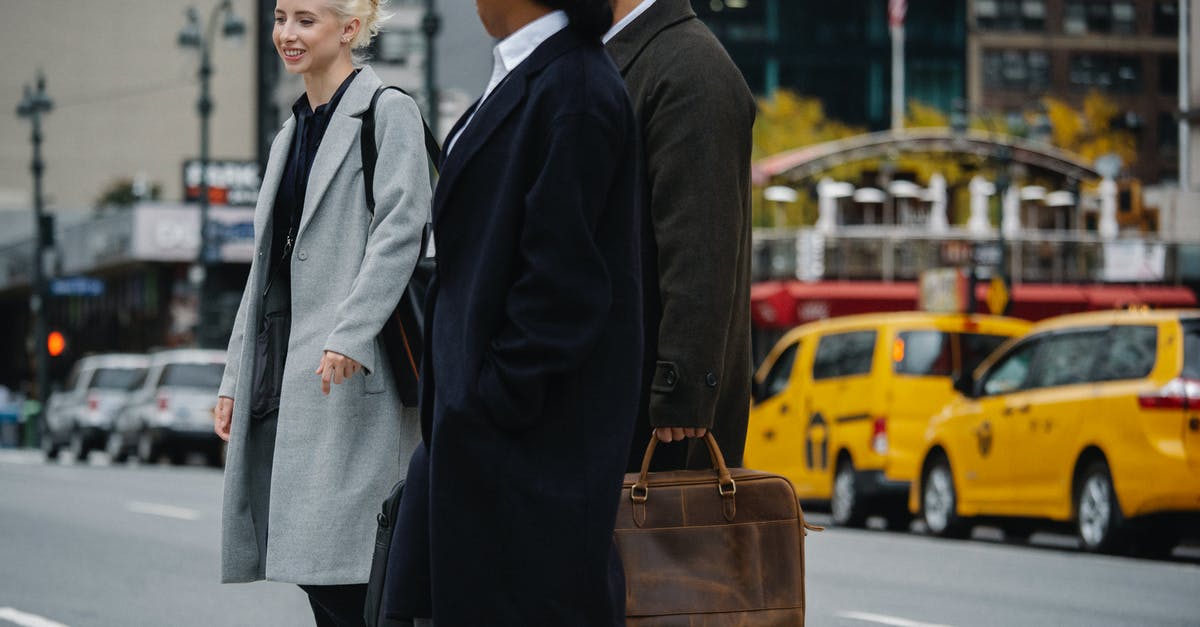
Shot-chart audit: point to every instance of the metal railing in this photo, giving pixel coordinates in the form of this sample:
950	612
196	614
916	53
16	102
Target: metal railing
901	254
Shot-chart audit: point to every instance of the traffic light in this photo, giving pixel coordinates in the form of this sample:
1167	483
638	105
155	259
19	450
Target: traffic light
55	343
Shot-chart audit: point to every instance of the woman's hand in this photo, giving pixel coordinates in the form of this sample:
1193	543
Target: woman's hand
336	368
678	434
223	417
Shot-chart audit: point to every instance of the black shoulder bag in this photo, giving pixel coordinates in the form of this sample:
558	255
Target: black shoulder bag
403	336
404	333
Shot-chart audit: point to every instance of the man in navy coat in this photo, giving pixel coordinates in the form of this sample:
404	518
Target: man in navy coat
532	368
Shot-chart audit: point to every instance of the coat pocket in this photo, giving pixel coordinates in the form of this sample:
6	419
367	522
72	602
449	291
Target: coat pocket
270	356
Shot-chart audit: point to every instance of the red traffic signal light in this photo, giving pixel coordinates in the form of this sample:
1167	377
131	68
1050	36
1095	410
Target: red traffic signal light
55	343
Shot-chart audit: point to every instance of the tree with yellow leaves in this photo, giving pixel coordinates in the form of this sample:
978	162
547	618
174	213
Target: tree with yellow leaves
1089	132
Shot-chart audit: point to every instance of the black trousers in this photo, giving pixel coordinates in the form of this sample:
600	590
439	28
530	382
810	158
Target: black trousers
337	606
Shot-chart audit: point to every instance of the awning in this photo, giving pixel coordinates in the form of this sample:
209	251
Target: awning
785	304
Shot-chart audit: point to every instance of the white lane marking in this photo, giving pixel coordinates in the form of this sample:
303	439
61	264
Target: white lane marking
884	619
26	619
167	511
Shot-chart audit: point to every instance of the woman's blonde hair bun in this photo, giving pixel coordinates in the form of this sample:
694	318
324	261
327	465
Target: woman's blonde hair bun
370	14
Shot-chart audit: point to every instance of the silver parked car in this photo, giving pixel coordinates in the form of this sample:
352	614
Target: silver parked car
81	415
171	413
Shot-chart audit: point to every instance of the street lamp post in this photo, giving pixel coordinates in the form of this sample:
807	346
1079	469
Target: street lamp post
193	37
430	25
34	105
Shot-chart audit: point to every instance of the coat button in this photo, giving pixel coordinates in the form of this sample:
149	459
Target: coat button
710	380
302	255
669	377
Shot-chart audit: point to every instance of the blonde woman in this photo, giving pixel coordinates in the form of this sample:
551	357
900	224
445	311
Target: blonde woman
315	425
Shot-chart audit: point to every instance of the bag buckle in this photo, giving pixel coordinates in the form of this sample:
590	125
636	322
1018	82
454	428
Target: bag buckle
729	490
635	496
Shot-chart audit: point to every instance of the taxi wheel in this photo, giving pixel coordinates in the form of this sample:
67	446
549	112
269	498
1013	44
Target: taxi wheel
79	447
1098	516
115	447
939	502
846	503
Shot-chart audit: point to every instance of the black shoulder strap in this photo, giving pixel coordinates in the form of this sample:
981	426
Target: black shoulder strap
370	152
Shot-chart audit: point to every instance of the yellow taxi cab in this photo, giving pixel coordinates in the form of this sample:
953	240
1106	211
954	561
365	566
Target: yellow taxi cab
841	405
1090	419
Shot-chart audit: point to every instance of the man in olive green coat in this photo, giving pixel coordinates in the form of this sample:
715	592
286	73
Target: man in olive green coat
696	115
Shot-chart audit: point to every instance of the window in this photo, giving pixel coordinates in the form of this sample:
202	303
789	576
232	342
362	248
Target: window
1099	17
1166	18
1010	373
1066	358
1113	73
777	378
116	379
192	375
1018	70
844	354
1191	350
923	353
1168	75
1130	353
977	347
1021	15
1168	132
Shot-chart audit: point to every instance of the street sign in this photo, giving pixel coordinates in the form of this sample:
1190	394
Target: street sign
77	286
997	296
943	290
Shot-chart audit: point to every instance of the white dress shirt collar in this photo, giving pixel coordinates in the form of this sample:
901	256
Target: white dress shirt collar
625	21
510	52
517	47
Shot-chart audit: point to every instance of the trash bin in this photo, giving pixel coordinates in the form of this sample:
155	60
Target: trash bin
10	432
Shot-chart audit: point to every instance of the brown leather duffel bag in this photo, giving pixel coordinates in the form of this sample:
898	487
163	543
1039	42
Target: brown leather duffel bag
711	548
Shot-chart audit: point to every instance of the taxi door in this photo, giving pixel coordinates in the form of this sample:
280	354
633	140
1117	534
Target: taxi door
840	403
1047	422
776	431
987	464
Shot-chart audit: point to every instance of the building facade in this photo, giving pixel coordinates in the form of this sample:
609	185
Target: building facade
1019	50
840	52
125	109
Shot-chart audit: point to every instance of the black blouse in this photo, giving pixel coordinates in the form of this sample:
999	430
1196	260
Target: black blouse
289	200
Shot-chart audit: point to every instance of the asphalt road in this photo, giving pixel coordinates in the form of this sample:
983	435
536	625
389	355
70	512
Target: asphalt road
98	545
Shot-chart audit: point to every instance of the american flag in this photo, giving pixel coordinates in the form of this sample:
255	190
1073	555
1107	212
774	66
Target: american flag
896	11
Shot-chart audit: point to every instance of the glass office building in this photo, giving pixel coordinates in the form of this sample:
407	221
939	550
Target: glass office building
840	52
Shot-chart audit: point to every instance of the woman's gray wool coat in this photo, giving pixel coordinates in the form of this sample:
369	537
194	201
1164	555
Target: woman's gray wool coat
337	456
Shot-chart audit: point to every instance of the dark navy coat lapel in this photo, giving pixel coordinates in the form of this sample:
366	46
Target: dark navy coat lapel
490	115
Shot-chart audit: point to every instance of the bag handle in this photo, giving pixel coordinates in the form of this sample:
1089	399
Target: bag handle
726	487
370	153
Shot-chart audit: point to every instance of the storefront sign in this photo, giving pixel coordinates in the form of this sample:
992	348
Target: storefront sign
232	183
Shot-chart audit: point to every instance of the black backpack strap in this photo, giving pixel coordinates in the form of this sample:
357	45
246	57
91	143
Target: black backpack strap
370	152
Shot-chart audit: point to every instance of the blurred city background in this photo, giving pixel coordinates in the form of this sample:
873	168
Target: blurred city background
1025	158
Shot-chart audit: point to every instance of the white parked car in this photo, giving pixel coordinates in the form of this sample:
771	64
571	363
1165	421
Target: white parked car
81	415
171	413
